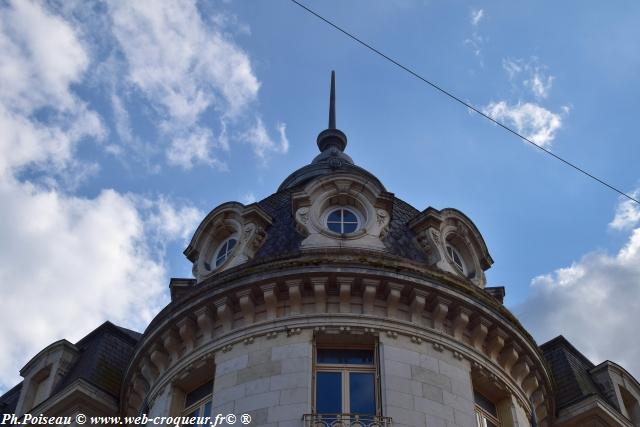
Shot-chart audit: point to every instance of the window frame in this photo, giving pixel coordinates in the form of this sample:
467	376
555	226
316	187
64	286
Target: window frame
345	370
200	404
334	208
453	253
228	253
482	415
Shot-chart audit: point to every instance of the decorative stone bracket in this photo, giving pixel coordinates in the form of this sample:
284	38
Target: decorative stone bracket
393	307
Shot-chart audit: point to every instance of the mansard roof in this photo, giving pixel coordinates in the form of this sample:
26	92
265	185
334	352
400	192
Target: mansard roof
9	400
103	356
570	370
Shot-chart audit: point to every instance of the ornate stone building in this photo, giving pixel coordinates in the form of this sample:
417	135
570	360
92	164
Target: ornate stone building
332	302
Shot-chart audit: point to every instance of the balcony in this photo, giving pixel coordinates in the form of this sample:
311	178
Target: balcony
345	420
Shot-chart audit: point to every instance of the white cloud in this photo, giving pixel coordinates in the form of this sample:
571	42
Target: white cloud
196	147
512	67
627	214
179	61
536	79
539	84
284	142
70	262
73	262
248	198
476	16
262	143
185	67
475	42
595	302
531	120
42	58
24	141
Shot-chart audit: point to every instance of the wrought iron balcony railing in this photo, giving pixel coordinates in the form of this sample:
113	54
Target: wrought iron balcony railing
345	420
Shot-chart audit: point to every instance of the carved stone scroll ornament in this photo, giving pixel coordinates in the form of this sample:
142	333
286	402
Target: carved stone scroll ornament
382	217
429	241
254	237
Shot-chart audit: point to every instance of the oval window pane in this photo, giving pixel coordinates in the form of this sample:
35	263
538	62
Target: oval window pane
220	260
349	216
334	216
350	228
231	244
335	227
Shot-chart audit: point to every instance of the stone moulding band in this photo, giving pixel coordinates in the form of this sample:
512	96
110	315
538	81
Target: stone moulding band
349	324
429	312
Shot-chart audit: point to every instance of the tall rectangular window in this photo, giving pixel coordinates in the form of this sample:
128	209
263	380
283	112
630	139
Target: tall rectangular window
197	402
486	411
346	382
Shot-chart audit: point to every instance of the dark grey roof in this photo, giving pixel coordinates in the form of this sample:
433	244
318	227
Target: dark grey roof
9	400
103	357
570	370
315	170
282	236
400	240
283	239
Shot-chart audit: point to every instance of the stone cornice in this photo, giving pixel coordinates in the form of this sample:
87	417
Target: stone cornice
396	301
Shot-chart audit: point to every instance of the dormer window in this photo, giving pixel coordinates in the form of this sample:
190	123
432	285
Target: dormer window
455	257
343	221
224	251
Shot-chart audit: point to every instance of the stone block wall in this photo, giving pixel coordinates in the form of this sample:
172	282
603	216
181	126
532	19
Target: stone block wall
424	387
269	379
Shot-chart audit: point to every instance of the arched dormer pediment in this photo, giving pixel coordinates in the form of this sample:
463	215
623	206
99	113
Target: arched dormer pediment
343	210
620	387
43	372
229	235
452	243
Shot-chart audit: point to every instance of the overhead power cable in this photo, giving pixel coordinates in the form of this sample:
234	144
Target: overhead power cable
466	104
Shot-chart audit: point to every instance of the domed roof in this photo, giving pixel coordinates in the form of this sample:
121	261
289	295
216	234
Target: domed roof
395	228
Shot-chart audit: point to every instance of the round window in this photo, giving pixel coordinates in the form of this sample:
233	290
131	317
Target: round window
455	257
224	251
342	221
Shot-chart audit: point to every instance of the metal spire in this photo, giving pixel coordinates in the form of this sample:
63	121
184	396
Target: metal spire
332	102
332	137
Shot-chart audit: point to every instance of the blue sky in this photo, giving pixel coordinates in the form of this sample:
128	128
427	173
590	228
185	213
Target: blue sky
123	124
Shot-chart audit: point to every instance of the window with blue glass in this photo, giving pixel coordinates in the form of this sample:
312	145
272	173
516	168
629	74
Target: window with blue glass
346	382
224	251
197	402
342	221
